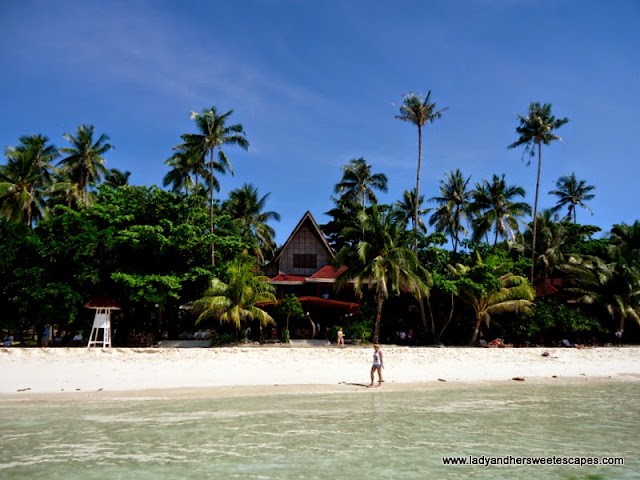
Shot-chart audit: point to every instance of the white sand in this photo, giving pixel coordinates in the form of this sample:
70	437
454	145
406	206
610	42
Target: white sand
53	370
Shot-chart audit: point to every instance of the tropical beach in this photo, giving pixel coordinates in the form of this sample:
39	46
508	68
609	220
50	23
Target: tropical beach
262	370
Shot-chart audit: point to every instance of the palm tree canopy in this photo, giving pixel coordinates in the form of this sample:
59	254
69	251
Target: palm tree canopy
213	132
453	202
247	210
536	128
492	206
117	178
406	208
235	301
381	259
84	162
26	178
572	193
418	110
358	183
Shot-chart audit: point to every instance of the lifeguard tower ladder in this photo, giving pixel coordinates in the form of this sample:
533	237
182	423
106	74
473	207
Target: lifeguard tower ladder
101	330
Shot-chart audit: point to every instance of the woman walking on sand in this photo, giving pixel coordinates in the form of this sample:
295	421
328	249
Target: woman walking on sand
378	365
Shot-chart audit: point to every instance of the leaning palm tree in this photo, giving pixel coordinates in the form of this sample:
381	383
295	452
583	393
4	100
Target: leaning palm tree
493	206
380	261
84	162
535	130
453	203
213	133
235	301
358	182
247	211
26	178
573	193
418	111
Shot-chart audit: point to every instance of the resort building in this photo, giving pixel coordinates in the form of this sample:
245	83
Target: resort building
304	267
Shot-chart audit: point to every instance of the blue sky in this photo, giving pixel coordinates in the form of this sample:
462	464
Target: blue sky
318	83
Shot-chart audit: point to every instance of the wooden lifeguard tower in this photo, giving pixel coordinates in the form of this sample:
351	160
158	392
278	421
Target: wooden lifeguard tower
101	329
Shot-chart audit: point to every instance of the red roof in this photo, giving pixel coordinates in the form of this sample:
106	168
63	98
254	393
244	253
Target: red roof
285	278
103	301
329	272
548	286
319	302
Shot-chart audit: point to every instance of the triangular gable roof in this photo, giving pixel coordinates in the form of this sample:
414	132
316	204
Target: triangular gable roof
307	217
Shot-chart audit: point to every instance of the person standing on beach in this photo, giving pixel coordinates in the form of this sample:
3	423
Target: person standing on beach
340	337
46	334
378	365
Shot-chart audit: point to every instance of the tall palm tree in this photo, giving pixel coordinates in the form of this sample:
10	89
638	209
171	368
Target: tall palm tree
493	207
453	203
247	211
419	111
358	182
117	178
213	133
25	179
535	130
235	301
85	162
572	192
380	261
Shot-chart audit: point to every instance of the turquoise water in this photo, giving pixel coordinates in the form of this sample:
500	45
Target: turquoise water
373	434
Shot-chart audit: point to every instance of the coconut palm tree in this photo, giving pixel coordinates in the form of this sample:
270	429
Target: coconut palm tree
493	206
380	261
572	192
552	235
85	162
117	178
247	211
507	293
605	284
235	301
358	183
185	174
419	111
26	178
535	130
453	203
200	148
406	208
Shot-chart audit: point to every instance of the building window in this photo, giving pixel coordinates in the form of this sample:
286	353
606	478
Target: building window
304	260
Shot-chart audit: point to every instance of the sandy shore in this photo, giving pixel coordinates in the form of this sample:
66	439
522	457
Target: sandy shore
255	370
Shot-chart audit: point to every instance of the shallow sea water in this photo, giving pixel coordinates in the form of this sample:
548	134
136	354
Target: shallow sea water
371	433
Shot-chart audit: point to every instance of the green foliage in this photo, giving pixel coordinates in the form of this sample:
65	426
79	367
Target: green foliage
553	319
235	301
361	330
291	306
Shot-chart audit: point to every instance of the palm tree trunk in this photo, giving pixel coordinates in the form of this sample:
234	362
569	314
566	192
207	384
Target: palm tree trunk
423	315
417	201
449	319
476	331
213	258
535	213
376	330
